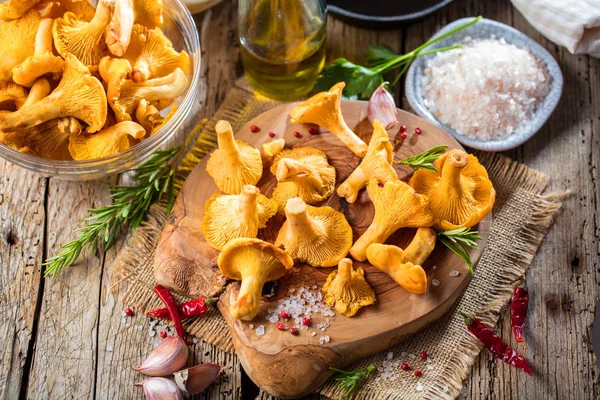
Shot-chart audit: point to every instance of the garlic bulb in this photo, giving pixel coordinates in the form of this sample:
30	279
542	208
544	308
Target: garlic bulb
169	356
382	108
196	379
160	389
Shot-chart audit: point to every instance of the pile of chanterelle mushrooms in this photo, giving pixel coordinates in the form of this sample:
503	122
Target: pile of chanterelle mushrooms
78	83
458	194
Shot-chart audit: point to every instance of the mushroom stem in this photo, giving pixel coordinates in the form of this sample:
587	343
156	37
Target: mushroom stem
226	141
299	223
345	269
456	161
420	247
373	234
289	169
248	199
43	38
248	298
40	89
101	17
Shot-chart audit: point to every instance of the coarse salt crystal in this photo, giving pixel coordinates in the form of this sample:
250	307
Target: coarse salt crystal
454	273
260	331
419	387
109	348
251	326
445	389
430	367
313	334
412	356
390	355
435	282
434	267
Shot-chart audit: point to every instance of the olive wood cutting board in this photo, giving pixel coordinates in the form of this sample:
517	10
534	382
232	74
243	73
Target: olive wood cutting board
280	363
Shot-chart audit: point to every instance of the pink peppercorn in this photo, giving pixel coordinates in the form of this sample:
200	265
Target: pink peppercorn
423	355
404	367
284	315
128	312
163	334
271	134
294	330
281	326
403	135
189	342
418	131
313	131
403	128
254	129
297	134
306	321
418	373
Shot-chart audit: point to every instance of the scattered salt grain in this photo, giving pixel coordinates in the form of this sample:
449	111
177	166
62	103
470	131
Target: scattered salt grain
430	367
454	273
109	348
324	339
445	389
260	330
412	356
139	327
390	355
428	360
434	267
251	326
152	333
435	282
419	387
127	325
488	89
377	379
313	334
123	321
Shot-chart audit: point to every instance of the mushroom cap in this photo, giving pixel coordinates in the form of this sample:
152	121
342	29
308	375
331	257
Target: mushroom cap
150	118
249	256
324	109
167	87
83	39
227	217
13	9
18	42
319	236
302	172
148	12
346	289
152	54
118	32
235	163
114	72
109	141
460	193
81	8
48	140
376	164
273	147
12	96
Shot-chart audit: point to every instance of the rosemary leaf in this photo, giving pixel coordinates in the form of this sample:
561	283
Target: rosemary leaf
351	379
425	159
459	241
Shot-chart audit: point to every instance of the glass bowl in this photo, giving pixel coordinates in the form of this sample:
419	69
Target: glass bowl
180	28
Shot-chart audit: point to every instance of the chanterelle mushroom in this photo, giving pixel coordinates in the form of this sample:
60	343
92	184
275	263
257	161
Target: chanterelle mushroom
254	262
235	163
40	89
18	42
460	193
152	54
12	96
48	140
13	9
376	164
346	289
81	8
404	266
272	148
42	62
109	141
302	172
228	217
118	32
78	95
150	118
168	87
85	40
320	236
396	206
114	72
148	13
324	109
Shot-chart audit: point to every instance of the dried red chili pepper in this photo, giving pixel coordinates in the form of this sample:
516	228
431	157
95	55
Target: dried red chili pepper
495	345
191	308
518	311
169	301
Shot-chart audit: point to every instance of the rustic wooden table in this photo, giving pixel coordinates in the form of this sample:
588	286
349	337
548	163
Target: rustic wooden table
63	338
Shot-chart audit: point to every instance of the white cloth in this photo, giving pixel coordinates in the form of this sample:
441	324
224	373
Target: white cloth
574	24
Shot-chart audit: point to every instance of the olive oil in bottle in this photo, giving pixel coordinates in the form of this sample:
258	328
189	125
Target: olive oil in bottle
282	45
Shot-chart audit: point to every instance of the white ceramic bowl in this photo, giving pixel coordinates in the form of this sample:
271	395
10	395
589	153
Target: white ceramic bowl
484	29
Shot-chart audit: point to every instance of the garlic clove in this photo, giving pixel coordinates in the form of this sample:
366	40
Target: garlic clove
382	107
160	389
169	356
196	379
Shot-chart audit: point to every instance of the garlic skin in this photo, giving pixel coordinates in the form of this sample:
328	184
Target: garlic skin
160	389
382	107
169	356
196	379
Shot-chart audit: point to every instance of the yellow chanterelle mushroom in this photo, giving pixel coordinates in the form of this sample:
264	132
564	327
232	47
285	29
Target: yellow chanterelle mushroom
324	109
13	9
235	163
460	193
40	89
346	289
18	42
78	95
396	206
84	40
319	236
109	141
148	13
150	118
272	148
376	164
404	266
152	54
228	217
42	62
118	32
254	262
12	96
82	9
302	172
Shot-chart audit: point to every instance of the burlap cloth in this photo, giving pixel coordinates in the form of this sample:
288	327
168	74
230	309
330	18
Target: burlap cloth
521	217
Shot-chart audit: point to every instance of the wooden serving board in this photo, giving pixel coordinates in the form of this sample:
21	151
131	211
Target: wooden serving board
280	363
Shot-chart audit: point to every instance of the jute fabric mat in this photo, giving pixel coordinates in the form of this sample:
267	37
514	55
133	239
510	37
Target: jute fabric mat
521	217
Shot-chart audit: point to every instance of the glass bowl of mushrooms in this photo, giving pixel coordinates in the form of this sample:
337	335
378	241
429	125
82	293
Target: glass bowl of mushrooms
91	91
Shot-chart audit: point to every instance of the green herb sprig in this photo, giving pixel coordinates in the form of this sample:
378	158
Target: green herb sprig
155	180
362	81
425	159
351	379
459	241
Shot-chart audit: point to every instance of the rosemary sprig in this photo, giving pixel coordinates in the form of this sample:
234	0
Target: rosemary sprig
351	379
154	179
425	159
459	241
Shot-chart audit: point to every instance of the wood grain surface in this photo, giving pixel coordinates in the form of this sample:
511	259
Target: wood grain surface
564	279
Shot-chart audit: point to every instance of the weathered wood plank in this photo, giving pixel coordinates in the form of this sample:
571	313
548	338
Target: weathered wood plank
22	223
